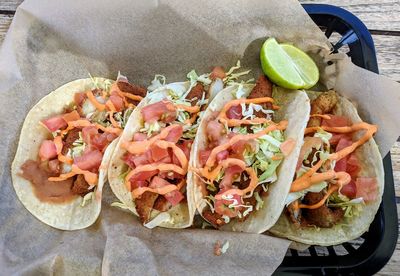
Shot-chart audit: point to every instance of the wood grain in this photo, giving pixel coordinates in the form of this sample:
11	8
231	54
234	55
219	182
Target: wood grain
376	15
388	55
5	21
9	5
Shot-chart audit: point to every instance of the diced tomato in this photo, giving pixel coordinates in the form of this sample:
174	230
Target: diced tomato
222	206
140	160
71	116
217	73
158	153
230	174
138	183
164	110
88	133
235	112
54	123
341	165
336	121
349	190
353	166
173	197
138	136
215	130
117	101
47	150
90	160
128	158
185	146
79	98
336	137
222	155
203	156
174	134
367	188
343	143
143	175
100	141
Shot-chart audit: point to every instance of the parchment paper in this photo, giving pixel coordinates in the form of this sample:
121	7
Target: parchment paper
53	42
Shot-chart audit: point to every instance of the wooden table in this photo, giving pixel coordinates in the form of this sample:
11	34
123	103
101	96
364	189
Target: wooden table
383	20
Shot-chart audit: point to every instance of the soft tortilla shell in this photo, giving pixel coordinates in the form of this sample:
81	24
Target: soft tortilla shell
65	216
295	108
181	216
372	166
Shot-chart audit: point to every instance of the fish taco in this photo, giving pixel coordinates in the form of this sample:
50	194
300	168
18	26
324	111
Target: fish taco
65	144
339	177
245	155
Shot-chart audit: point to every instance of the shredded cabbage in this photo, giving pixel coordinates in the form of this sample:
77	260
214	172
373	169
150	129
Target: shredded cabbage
260	202
88	197
157	82
315	188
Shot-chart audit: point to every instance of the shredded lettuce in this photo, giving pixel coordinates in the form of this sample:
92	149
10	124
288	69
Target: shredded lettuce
78	146
152	127
270	170
87	198
325	136
315	188
260	202
157	82
211	187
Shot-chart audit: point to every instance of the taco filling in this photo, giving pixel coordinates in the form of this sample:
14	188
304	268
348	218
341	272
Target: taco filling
157	156
329	186
69	160
243	150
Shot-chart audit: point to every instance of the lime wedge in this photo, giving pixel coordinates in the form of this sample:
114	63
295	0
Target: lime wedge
288	66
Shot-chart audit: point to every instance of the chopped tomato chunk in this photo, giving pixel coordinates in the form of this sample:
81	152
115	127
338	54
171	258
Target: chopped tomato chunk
215	130
117	101
349	190
89	161
162	110
173	197
143	175
235	112
47	150
174	134
230	174
54	123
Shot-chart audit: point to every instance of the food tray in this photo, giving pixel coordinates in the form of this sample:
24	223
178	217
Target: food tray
369	253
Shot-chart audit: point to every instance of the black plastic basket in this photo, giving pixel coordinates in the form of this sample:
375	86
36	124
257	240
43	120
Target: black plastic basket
368	254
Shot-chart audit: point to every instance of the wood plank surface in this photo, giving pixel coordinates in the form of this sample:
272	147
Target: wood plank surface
378	16
9	5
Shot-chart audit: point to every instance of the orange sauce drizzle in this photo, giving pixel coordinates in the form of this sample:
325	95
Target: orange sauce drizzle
237	122
93	100
342	178
160	190
137	147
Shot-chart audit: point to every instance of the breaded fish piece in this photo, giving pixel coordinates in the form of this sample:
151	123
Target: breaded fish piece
324	104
